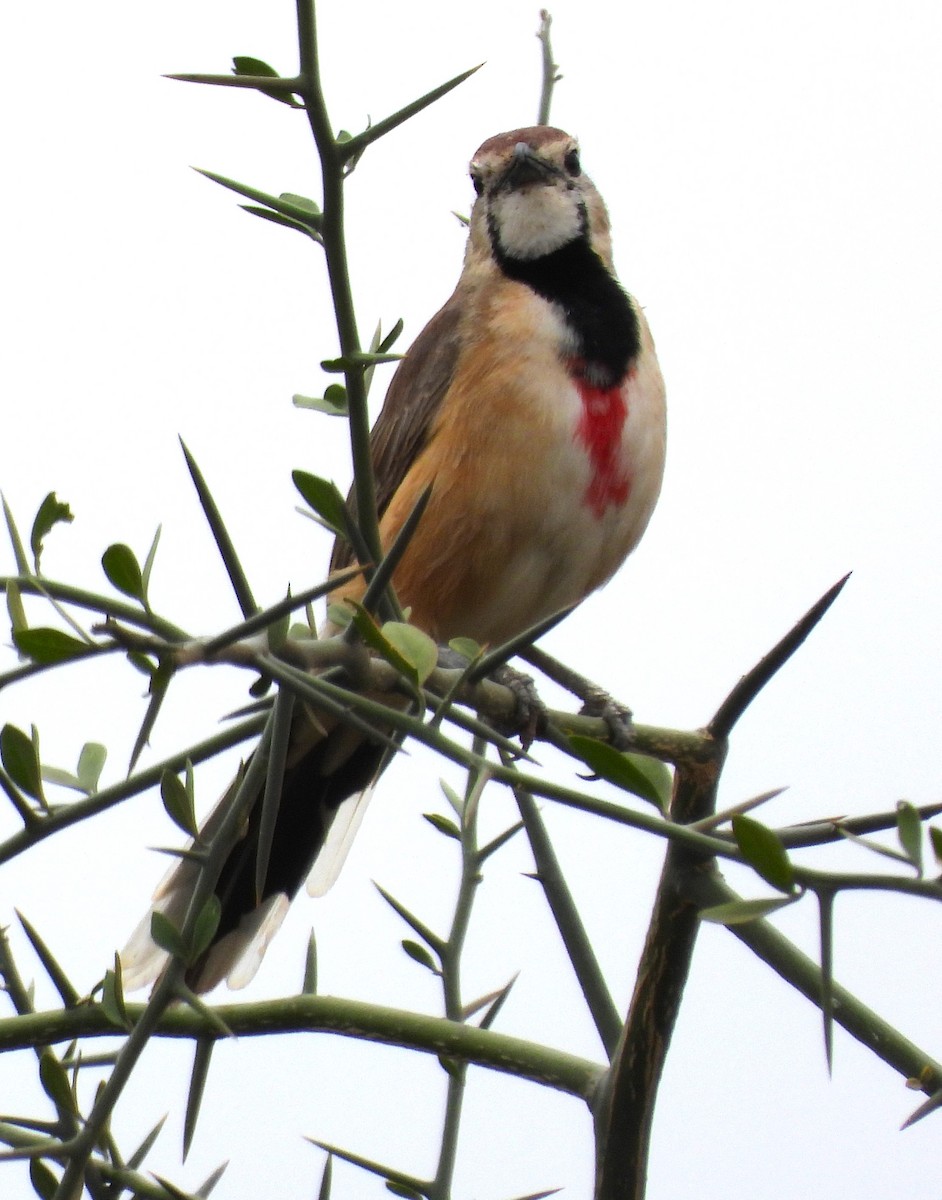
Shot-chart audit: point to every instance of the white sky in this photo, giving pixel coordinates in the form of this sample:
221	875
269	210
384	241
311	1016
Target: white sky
774	182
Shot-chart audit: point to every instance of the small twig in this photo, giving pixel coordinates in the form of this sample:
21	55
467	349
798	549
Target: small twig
551	74
332	161
569	923
451	951
574	683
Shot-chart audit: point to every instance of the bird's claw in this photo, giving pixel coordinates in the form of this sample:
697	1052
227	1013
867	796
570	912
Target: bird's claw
529	719
598	703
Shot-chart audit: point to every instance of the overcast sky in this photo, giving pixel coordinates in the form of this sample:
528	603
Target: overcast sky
774	183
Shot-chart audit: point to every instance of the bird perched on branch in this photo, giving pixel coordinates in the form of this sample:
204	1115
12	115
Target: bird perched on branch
533	405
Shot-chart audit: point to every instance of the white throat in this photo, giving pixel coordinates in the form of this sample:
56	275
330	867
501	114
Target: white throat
535	221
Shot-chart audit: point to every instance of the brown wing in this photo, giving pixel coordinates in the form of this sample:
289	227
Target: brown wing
402	427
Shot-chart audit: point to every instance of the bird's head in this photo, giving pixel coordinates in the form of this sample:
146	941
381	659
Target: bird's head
533	198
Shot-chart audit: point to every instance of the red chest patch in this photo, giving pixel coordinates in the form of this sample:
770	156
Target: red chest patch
604	413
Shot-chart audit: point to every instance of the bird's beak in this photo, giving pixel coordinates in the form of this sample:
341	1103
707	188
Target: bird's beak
525	167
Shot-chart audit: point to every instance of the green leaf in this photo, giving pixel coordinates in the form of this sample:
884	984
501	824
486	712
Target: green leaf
19	757
178	802
392	336
453	798
112	997
46	645
45	1184
443	825
90	764
356	360
205	928
140	662
420	955
453	1066
334	401
467	647
740	912
379	344
123	571
324	498
242	64
874	847
416	647
303	203
302	215
52	512
61	777
658	775
55	1082
935	841
340	615
277	218
149	561
376	640
166	935
763	850
620	769
15	608
909	832
400	1189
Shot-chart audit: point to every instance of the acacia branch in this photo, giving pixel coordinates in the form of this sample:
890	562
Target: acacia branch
625	1110
325	1014
707	888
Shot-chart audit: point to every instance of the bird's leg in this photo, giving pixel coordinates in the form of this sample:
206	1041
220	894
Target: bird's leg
529	720
596	702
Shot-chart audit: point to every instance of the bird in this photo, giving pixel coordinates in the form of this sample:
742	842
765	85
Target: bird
533	406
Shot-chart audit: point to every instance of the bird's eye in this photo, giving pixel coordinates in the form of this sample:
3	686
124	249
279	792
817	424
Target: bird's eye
572	164
477	181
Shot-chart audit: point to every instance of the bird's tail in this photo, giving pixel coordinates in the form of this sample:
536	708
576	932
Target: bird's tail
323	798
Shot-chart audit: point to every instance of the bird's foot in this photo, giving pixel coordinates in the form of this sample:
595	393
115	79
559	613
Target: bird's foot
529	719
598	703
